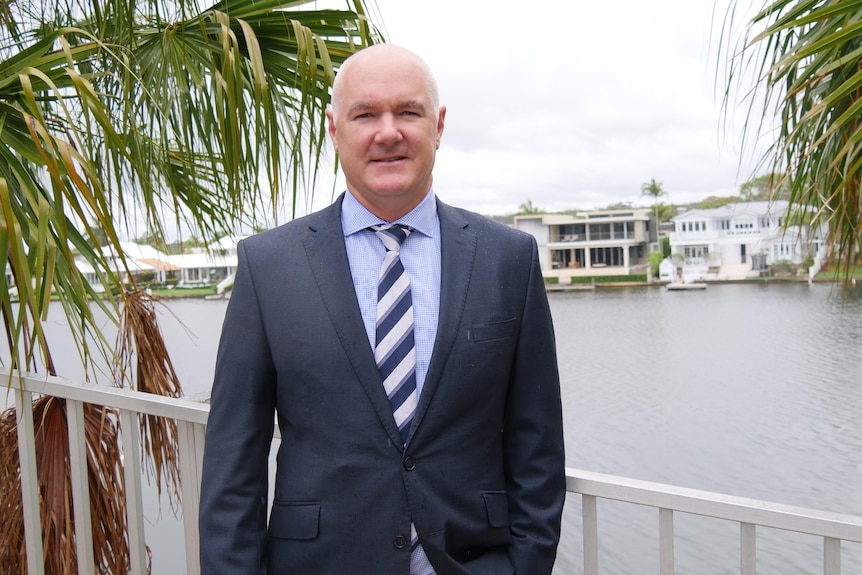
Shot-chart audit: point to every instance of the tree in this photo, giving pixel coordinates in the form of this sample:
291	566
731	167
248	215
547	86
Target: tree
805	56
619	206
666	212
528	208
711	202
655	190
768	187
159	114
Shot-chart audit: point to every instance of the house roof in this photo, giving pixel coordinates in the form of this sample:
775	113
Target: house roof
158	264
737	209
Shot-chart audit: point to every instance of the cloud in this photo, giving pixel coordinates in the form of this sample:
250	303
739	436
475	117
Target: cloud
574	104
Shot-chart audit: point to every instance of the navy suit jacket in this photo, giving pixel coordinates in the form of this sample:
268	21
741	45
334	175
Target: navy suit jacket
482	474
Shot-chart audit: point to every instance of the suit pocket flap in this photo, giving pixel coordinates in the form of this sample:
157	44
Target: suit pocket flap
493	330
294	520
497	506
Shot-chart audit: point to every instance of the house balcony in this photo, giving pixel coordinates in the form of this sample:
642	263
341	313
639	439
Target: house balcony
668	501
615	238
718	235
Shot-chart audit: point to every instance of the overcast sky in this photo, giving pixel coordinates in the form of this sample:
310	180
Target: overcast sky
573	103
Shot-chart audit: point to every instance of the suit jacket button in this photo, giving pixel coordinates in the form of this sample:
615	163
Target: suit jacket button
409	464
400	542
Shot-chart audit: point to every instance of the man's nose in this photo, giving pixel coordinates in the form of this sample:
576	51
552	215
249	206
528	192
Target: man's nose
388	130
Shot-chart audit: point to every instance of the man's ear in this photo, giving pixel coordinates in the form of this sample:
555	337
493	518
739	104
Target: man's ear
441	120
330	117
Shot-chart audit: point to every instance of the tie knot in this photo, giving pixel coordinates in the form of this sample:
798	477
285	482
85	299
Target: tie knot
392	235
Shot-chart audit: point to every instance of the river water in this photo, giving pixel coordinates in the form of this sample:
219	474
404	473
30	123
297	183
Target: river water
749	390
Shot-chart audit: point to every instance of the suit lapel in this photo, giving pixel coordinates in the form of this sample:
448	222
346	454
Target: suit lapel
458	250
327	257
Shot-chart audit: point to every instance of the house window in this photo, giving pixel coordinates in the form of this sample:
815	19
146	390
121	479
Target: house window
623	230
782	251
696	251
569	233
607	257
600	232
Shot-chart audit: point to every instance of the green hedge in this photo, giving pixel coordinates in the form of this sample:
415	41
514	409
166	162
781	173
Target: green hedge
609	279
578	280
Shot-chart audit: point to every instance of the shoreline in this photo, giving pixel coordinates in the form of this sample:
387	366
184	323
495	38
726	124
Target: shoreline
557	287
176	293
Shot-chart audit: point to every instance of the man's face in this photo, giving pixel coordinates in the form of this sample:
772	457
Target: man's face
386	131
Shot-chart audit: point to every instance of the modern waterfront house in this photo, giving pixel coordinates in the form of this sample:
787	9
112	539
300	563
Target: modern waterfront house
739	240
604	242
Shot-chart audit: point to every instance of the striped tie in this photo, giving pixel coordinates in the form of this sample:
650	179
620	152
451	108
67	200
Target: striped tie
395	351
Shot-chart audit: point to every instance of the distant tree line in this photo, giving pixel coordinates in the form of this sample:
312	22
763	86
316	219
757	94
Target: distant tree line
766	187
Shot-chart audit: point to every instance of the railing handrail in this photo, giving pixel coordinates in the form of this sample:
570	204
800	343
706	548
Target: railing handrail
192	416
716	505
183	409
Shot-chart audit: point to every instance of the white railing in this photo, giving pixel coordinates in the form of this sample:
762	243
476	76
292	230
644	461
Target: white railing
191	419
748	513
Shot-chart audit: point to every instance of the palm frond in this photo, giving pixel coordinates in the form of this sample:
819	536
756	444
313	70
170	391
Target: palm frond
808	58
107	496
156	115
140	338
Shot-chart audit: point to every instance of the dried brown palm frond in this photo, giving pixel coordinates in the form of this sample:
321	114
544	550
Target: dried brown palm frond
140	341
107	497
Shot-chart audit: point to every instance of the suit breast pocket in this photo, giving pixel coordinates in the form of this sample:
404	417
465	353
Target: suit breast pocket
492	331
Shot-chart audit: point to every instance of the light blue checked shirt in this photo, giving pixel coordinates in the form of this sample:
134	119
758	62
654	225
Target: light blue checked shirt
420	256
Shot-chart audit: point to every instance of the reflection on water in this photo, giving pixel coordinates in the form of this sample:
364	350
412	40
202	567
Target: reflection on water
739	389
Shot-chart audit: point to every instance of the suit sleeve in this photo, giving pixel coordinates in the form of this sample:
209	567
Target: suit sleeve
238	437
533	436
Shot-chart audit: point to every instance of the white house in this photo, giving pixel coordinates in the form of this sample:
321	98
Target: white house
605	242
740	239
197	268
205	268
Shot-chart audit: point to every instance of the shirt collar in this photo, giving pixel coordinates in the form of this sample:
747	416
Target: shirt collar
423	218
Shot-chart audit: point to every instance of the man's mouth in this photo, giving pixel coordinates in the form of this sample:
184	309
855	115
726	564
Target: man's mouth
388	160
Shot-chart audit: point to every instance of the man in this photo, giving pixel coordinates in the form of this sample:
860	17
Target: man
447	459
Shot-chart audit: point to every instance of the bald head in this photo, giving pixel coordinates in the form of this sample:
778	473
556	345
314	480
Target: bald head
383	59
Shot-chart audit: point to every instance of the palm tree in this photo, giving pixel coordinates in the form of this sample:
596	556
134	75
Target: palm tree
806	56
162	115
654	189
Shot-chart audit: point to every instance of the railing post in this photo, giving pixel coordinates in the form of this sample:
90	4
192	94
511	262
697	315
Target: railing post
591	534
134	499
665	536
748	548
831	556
80	487
190	439
29	482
